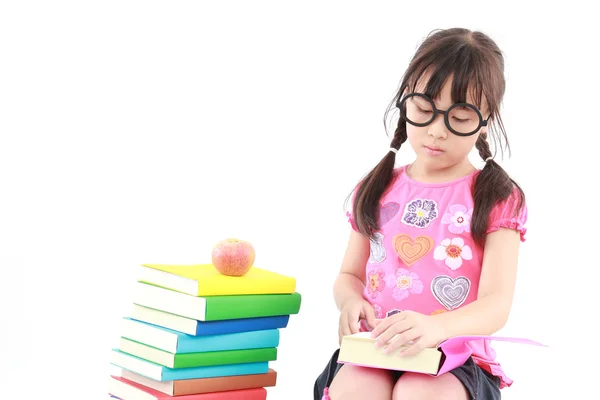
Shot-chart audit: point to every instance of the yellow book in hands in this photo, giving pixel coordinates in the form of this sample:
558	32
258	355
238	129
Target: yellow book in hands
359	349
206	280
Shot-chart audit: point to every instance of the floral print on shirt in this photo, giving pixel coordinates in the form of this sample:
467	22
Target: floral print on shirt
375	282
420	212
403	283
458	219
452	252
377	250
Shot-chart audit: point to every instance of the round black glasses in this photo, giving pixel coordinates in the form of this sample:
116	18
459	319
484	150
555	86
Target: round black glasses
462	119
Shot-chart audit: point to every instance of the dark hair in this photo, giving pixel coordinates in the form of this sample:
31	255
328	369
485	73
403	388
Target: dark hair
477	65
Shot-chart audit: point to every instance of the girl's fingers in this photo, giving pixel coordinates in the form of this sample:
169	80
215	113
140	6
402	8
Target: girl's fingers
344	324
353	321
384	324
369	314
402	340
412	349
392	330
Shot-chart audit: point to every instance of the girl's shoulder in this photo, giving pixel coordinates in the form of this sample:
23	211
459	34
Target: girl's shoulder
398	174
399	170
511	213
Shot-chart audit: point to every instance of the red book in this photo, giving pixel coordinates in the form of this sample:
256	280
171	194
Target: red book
128	390
204	385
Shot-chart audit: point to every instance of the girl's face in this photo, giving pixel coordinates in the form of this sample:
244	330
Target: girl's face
435	145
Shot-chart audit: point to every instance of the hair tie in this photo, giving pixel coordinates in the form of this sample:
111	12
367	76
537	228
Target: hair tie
489	159
394	150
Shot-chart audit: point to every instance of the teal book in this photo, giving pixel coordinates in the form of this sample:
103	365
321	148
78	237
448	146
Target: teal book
161	373
178	342
186	360
216	308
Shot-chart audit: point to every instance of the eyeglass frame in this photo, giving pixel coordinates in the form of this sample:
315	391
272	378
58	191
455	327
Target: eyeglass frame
482	122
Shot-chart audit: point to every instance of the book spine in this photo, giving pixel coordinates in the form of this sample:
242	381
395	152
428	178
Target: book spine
172	374
247	287
187	360
210	385
241	325
127	389
245	306
204	385
232	341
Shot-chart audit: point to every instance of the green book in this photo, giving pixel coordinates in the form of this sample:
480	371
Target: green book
245	306
216	308
204	359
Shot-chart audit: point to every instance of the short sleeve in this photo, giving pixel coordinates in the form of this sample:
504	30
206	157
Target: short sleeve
351	220
349	212
506	214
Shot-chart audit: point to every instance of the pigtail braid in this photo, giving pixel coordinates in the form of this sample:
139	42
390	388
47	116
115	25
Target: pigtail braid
492	186
372	187
483	147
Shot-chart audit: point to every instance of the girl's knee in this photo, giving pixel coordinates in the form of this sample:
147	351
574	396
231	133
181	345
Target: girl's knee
413	386
352	382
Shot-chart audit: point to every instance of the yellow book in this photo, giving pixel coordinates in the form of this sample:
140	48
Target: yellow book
205	280
359	349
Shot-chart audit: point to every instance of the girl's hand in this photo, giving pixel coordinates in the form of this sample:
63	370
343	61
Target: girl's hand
351	313
423	330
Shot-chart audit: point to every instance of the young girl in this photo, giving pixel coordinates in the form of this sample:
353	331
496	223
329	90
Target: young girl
434	244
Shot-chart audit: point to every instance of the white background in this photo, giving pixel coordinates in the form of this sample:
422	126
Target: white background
144	132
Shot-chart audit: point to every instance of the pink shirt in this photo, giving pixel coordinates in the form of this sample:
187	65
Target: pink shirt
424	258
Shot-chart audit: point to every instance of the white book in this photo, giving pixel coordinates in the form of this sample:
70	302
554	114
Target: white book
170	301
164	319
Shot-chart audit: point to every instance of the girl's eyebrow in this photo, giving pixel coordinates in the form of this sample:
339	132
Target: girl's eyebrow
463	107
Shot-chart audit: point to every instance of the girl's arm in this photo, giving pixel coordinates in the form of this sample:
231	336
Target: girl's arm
350	283
490	311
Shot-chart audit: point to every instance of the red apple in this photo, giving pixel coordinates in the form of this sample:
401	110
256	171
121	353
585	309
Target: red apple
233	257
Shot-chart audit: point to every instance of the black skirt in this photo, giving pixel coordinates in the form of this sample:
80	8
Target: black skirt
480	384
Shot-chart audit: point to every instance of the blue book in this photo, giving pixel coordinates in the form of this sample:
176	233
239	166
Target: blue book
199	328
161	373
177	342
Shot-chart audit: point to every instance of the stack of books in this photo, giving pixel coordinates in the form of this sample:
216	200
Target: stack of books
195	334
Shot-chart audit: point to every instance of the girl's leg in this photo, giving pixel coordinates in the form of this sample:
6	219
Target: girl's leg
359	383
413	386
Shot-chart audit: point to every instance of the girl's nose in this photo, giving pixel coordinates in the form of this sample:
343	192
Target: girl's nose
437	128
